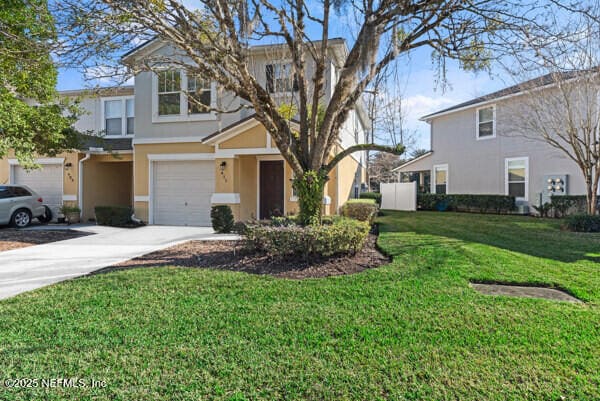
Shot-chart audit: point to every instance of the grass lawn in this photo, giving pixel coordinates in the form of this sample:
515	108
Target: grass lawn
410	330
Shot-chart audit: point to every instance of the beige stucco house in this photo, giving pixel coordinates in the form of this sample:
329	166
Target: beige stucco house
153	150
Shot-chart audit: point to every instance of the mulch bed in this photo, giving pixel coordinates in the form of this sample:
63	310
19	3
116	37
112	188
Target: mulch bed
233	256
11	238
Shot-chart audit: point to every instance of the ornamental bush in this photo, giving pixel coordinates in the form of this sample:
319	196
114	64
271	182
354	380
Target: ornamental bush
222	218
584	223
360	209
371	195
565	205
342	236
116	216
467	203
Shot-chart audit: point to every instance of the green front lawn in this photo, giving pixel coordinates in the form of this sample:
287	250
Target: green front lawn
410	330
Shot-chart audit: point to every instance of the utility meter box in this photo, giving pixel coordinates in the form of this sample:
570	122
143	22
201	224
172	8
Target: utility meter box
554	185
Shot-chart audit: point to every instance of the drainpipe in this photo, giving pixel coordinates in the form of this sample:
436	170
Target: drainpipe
80	189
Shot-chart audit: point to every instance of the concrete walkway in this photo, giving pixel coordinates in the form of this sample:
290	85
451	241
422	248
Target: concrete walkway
29	268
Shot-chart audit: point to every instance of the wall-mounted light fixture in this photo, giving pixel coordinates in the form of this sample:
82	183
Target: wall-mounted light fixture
68	165
222	168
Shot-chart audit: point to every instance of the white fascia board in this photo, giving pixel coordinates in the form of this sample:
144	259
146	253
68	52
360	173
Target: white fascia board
179	139
41	160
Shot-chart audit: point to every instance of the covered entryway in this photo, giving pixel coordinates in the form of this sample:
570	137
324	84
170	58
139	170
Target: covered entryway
47	181
271	189
181	192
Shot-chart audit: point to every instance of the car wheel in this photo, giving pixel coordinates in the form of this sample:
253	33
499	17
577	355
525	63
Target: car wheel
46	217
21	218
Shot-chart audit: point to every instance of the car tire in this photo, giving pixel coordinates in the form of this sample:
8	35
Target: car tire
46	217
21	218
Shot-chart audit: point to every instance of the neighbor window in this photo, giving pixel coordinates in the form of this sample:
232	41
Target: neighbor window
169	93
118	116
199	95
113	114
280	78
517	177
129	110
440	182
485	122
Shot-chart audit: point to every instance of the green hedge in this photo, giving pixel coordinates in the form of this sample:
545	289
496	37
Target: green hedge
583	223
360	209
116	216
565	205
371	195
342	236
467	203
222	218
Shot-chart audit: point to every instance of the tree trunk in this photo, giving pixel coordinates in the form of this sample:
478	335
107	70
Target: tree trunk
309	188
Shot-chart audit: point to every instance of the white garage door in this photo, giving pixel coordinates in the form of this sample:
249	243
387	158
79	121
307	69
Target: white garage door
46	181
182	192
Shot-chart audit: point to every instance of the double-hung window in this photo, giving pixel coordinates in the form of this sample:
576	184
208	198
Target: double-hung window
280	78
440	179
169	93
118	116
486	122
198	95
517	177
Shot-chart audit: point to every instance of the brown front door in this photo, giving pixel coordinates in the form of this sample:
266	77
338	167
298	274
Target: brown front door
271	189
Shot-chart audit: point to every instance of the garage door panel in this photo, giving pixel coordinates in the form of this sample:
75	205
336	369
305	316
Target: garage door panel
182	191
46	181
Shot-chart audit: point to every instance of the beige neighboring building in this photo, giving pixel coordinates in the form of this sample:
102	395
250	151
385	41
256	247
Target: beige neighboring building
170	162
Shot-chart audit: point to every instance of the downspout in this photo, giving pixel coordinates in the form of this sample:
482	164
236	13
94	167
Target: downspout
80	189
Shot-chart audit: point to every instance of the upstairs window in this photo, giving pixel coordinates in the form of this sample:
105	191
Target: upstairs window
486	122
280	78
199	95
118	116
169	93
129	113
113	114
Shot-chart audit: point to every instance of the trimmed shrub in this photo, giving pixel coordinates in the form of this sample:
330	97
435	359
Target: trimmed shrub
565	205
116	216
584	223
467	203
360	209
371	195
343	236
222	218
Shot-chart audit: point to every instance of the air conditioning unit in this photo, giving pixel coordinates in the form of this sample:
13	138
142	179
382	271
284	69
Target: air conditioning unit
522	209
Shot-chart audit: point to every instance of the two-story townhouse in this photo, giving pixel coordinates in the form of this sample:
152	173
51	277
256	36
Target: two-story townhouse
477	149
155	150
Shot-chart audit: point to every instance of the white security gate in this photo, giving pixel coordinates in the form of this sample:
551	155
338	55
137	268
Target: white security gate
399	196
182	191
47	181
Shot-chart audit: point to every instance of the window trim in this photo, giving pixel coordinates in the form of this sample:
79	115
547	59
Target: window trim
506	182
123	100
487	106
433	177
183	115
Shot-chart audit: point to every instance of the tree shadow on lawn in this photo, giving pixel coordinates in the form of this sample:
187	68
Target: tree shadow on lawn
532	236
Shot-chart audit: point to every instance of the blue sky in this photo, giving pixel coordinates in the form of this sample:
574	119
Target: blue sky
417	83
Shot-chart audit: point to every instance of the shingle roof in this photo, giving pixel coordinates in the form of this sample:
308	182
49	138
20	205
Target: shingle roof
511	90
107	144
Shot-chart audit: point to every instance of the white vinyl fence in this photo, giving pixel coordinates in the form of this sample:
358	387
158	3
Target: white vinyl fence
399	196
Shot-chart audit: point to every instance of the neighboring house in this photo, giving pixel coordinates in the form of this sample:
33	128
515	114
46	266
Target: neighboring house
171	161
476	150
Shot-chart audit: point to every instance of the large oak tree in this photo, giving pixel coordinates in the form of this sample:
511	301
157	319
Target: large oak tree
216	35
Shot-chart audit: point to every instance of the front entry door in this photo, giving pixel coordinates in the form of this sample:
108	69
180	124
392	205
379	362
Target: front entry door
271	189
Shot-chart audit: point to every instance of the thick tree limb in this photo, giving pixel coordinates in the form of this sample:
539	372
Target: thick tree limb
396	150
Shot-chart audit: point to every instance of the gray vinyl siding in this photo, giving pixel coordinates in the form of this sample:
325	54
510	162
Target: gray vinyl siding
478	166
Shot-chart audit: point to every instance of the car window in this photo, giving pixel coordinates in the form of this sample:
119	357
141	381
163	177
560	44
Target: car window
18	192
4	193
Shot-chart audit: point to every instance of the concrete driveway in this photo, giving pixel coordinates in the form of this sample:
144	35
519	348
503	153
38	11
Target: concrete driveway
29	268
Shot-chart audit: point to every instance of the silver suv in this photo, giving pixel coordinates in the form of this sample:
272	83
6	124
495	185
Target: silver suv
19	205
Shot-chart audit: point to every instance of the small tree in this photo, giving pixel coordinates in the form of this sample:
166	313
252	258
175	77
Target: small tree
31	120
562	108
